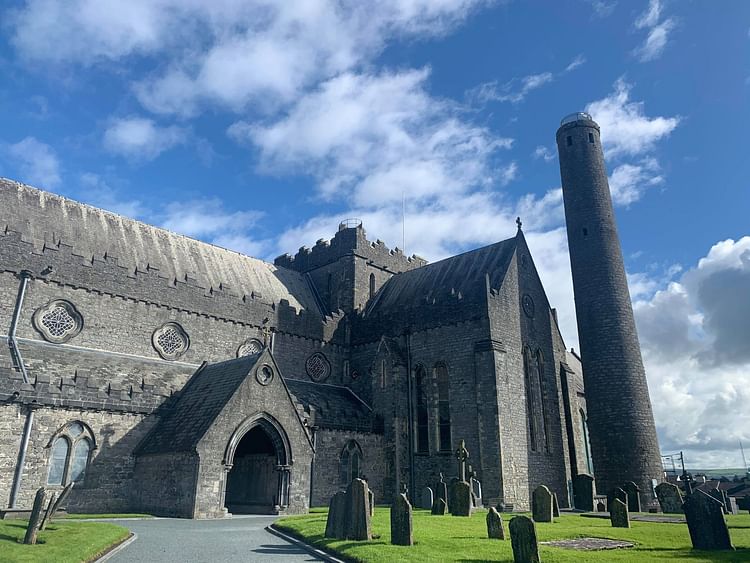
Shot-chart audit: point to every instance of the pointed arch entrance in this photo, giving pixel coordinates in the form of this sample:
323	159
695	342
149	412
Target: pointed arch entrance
257	464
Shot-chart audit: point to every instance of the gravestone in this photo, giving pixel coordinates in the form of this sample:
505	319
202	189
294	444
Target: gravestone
634	498
706	524
462	504
495	529
441	493
440	508
725	500
600	507
401	521
36	517
718	495
732	507
555	506
48	513
670	498
583	492
541	504
617	493
451	490
523	540
55	505
358	511
618	514
426	499
462	454
336	522
371	501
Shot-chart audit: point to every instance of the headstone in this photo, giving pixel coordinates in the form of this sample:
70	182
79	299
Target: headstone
476	489
440	508
426	498
634	498
48	513
523	540
618	514
725	500
732	507
719	496
670	498
371	501
495	529
705	520
36	517
555	506
617	493
451	490
56	505
600	507
744	503
358	511
336	522
441	493
541	504
583	492
462	504
401	521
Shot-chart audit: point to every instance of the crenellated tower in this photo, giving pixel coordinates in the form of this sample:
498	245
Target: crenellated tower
621	422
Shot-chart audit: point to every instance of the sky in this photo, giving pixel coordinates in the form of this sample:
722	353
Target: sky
259	125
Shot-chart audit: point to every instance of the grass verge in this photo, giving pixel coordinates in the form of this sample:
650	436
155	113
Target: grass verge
61	542
449	538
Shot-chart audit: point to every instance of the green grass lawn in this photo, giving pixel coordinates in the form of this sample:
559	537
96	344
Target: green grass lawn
450	538
60	542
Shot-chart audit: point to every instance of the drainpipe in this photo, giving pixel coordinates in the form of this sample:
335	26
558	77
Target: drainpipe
314	430
410	424
12	343
18	475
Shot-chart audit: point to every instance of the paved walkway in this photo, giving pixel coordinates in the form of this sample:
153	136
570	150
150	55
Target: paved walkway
238	539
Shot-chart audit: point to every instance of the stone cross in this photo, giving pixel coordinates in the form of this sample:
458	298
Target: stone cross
462	454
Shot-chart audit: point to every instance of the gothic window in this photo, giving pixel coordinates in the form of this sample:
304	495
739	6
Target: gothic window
531	407
318	367
249	347
70	454
423	439
350	462
586	446
382	374
58	321
170	341
543	397
444	410
372	285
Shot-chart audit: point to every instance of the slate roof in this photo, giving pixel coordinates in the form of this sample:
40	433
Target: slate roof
198	404
47	219
463	274
335	406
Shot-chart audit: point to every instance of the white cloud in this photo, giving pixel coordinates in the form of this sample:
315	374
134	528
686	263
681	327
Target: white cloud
693	335
95	190
601	8
650	17
625	129
141	138
36	163
544	153
575	63
658	32
628	182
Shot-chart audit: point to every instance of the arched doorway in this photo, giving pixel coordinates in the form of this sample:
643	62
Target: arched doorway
258	477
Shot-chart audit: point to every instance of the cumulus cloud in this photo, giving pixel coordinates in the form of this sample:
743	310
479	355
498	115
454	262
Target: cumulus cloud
628	181
658	32
141	138
545	153
96	190
36	162
693	334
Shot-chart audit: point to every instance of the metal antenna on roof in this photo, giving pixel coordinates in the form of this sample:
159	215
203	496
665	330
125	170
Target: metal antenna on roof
744	461
403	222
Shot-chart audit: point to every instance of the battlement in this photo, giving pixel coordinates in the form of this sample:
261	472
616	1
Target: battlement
350	239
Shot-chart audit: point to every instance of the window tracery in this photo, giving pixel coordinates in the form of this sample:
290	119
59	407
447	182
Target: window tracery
318	367
170	341
58	321
350	462
70	454
444	410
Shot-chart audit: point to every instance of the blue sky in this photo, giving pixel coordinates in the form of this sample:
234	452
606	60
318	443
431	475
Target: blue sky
259	125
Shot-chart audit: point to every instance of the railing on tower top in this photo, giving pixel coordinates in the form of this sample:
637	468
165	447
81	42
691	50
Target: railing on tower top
350	224
579	115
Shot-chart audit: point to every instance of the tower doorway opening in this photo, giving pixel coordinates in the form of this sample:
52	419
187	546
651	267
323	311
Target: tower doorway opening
253	481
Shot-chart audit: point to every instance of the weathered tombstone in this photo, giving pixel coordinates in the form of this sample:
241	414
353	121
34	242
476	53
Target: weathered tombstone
401	521
462	503
541	504
705	520
336	522
55	505
718	495
358	511
523	540
617	493
426	499
440	508
725	500
634	498
451	490
583	492
732	507
48	513
36	517
618	514
441	493
600	507
670	498
371	501
495	529
555	506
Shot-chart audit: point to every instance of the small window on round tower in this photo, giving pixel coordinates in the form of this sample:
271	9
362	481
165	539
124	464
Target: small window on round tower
569	140
585	232
591	137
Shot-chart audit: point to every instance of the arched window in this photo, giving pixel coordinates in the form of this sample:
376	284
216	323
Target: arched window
531	407
350	462
586	446
543	398
70	454
423	434
444	409
382	374
372	285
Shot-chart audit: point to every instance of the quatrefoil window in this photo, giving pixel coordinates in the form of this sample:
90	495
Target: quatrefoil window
317	367
171	341
249	347
58	321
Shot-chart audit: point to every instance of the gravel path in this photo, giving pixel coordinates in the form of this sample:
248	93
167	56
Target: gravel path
237	539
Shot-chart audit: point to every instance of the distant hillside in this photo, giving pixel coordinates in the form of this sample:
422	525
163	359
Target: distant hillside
719	473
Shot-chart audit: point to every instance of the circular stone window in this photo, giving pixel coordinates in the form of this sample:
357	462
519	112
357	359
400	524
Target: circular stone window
58	321
171	341
318	367
249	347
264	374
528	305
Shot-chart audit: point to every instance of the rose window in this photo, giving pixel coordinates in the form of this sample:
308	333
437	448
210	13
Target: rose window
171	341
58	321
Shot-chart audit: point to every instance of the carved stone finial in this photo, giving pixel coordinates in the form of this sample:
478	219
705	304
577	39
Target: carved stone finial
519	223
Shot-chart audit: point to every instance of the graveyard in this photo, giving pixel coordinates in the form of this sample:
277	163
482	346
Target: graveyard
452	538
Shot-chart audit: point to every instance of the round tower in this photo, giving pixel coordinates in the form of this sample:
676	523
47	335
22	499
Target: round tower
622	433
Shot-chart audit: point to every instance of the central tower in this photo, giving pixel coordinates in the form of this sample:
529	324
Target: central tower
621	423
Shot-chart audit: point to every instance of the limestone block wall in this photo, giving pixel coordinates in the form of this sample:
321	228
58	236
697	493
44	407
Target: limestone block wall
164	485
